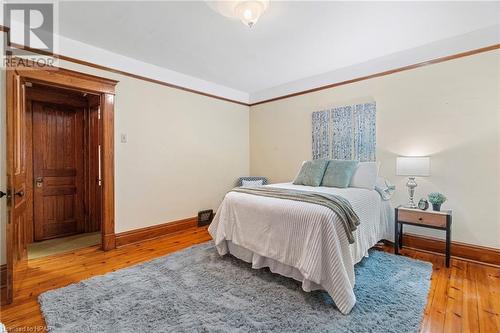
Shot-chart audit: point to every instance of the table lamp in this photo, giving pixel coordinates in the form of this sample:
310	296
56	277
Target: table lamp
412	167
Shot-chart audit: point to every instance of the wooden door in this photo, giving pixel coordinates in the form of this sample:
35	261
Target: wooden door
16	179
58	170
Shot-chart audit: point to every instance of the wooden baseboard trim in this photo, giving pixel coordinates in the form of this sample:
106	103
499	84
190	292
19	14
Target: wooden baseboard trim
472	252
155	231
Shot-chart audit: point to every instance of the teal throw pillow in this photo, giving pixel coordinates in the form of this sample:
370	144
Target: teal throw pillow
339	173
311	173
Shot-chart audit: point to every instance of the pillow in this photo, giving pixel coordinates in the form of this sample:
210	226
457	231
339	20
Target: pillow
365	175
384	188
252	183
240	180
298	172
339	173
311	173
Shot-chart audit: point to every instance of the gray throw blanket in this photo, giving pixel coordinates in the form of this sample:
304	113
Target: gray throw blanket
340	206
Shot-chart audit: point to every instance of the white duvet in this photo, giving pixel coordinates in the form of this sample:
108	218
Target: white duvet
301	240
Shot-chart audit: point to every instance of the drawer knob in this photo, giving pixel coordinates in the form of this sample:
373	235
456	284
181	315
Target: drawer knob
420	219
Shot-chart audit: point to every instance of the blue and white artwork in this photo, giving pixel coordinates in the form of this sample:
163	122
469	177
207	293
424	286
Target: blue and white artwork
345	133
321	134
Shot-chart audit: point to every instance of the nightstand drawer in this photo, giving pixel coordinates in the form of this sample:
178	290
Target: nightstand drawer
426	218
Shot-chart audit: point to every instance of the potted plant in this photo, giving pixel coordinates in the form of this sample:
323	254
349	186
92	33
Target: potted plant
436	199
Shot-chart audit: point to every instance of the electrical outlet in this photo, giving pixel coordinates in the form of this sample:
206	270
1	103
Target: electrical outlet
123	138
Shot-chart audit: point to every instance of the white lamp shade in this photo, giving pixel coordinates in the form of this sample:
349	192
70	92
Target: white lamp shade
413	166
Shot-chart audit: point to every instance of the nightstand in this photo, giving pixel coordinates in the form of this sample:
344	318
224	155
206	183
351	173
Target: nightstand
422	218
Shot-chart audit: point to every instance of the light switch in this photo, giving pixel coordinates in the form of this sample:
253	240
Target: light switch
123	138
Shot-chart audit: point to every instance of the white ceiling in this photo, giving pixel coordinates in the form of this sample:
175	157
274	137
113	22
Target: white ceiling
292	40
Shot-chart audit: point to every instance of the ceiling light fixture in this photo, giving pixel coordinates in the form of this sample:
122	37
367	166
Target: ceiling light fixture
247	11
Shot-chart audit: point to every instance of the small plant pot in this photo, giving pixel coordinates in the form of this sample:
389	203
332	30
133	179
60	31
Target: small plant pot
436	207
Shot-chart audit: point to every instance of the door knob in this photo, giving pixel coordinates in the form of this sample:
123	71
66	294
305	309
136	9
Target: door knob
39	181
19	193
2	194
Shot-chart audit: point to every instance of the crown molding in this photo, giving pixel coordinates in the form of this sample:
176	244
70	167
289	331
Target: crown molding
90	56
478	41
392	71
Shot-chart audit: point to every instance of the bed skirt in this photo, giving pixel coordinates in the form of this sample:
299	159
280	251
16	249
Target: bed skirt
274	266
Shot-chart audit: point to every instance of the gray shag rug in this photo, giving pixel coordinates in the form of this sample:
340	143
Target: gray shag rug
196	290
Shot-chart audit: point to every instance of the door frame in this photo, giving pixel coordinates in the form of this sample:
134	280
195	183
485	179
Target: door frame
20	71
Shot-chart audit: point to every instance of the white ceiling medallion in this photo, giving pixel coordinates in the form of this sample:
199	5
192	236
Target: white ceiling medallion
247	11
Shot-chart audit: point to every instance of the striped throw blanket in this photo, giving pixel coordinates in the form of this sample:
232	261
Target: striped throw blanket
339	205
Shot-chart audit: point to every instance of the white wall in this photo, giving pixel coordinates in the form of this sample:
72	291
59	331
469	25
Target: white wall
184	151
450	111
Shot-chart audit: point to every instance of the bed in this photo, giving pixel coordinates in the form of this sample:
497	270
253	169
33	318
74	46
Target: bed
301	240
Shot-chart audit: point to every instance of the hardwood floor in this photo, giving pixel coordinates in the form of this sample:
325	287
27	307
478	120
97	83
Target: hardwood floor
462	298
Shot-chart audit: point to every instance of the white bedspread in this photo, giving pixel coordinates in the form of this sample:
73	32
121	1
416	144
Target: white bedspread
301	240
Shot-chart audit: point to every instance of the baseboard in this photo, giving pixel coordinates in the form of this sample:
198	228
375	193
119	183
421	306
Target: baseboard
155	231
3	276
483	254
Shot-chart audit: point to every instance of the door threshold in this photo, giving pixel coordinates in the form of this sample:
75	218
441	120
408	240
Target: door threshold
63	245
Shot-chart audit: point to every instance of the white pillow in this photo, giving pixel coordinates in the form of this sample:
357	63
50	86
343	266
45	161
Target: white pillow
365	175
252	183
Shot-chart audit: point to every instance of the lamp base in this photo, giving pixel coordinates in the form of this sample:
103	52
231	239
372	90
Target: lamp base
411	205
411	184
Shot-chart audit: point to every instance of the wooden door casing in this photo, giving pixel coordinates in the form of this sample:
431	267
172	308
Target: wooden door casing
93	168
58	170
18	72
